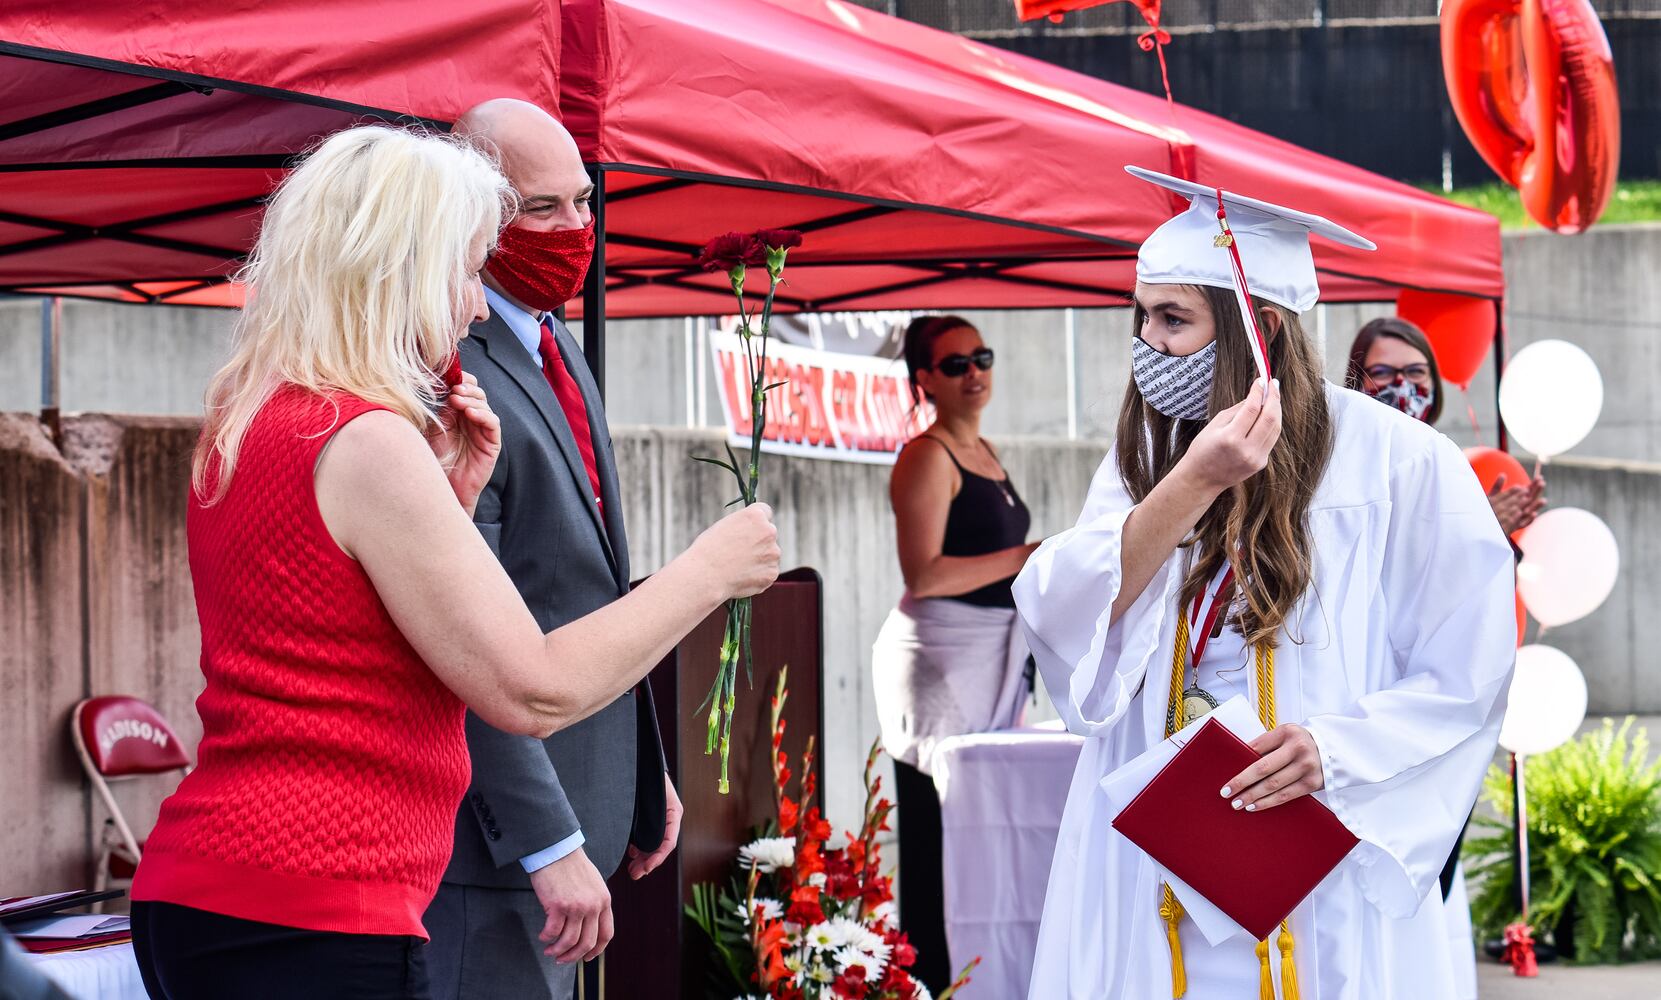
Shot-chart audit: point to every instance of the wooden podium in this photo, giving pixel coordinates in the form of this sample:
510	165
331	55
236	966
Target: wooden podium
657	954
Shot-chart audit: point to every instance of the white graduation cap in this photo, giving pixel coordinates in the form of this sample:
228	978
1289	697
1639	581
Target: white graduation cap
1272	242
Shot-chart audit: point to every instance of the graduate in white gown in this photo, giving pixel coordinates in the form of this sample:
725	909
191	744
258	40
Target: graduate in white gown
1375	587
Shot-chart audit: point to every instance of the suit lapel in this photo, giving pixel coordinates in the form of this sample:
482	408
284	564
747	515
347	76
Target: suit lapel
605	459
505	349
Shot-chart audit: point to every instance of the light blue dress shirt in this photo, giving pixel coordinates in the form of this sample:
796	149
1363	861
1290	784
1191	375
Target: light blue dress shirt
528	329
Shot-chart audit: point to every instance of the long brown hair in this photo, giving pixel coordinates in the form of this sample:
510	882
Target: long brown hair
1262	525
1355	377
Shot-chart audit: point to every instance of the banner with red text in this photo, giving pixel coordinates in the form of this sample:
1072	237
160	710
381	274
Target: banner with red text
840	406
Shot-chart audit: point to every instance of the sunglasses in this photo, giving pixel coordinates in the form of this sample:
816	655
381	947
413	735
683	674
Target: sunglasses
1385	374
957	365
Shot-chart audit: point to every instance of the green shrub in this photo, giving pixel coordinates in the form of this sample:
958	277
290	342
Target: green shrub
1594	842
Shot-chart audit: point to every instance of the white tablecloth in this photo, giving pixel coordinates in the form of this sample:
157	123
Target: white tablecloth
1001	797
97	974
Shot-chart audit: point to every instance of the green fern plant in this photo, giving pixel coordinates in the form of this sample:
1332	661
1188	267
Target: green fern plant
1594	842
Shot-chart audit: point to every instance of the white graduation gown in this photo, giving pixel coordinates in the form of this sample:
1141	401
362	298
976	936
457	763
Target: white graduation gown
1397	661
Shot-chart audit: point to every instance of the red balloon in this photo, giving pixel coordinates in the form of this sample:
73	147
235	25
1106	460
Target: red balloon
1460	329
1031	10
1522	621
1533	85
1491	463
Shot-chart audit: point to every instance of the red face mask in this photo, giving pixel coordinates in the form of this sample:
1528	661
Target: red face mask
542	270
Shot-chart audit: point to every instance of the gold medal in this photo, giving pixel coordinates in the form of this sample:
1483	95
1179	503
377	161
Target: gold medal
1197	703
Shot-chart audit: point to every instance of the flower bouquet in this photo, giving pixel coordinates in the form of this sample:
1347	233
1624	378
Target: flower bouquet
736	253
805	920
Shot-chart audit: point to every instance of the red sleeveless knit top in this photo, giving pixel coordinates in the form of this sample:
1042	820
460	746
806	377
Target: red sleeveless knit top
332	759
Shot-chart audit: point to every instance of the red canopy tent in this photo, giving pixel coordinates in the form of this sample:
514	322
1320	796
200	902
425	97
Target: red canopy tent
927	170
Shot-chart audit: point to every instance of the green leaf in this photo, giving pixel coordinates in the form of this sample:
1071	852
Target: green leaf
1594	815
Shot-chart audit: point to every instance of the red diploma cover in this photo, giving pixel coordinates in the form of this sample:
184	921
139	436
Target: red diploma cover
1256	867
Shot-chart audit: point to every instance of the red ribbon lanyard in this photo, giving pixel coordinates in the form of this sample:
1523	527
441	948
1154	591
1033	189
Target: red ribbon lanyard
1217	602
1240	284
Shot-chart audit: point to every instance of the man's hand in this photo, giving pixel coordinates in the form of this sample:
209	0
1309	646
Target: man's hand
641	865
1289	767
578	905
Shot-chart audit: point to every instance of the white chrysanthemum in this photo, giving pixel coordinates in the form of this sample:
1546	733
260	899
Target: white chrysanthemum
822	937
821	973
762	907
850	957
885	914
817	880
923	992
769	854
856	935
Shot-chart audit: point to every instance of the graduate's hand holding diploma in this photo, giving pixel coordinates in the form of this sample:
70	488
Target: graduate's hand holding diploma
1290	767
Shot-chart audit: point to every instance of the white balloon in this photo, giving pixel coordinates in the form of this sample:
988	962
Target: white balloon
1570	561
1550	396
1548	701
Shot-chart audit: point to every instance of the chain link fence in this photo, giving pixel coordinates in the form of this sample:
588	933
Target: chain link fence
1360	80
996	18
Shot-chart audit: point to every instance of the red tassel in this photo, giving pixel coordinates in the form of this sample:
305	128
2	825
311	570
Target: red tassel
1519	950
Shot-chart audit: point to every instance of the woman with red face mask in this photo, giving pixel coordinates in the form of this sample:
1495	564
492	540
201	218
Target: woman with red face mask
1392	361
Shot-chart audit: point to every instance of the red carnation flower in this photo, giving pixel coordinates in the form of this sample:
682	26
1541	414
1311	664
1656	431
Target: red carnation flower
850	984
778	239
732	251
805	912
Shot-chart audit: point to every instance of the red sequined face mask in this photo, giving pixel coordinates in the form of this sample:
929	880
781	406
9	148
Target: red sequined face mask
543	270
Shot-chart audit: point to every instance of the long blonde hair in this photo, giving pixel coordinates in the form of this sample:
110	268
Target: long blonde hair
1262	525
357	282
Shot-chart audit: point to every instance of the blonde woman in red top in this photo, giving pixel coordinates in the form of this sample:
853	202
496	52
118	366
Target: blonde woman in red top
349	607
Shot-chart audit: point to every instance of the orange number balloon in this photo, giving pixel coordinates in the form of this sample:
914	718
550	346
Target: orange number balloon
1533	85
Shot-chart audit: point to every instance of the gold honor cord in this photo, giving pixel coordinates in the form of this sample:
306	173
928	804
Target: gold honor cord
1170	909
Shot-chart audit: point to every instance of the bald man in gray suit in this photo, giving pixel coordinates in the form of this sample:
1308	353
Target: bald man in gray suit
546	821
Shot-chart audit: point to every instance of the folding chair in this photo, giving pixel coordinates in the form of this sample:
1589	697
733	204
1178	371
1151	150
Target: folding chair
119	738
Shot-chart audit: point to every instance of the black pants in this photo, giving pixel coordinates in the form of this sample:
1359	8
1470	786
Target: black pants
922	910
189	954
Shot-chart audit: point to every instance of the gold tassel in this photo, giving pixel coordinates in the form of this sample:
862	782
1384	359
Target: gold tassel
1179	674
1266	979
1172	913
1288	970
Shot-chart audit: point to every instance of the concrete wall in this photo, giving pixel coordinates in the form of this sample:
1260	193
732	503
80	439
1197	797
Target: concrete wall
94	584
122	491
95	599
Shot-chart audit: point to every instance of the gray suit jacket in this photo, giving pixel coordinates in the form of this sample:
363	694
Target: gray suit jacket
603	775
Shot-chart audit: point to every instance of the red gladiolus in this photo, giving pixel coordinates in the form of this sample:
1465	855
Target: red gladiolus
816	827
787	817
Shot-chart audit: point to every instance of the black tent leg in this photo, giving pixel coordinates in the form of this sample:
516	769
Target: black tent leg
594	288
1501	439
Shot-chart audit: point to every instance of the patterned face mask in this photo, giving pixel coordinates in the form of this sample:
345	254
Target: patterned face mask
1411	398
1179	387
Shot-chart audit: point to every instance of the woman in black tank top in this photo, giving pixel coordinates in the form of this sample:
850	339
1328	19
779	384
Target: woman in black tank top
950	659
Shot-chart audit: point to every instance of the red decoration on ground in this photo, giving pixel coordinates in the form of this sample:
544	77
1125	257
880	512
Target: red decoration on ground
1519	950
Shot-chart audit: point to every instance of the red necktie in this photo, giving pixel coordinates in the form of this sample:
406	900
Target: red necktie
576	411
